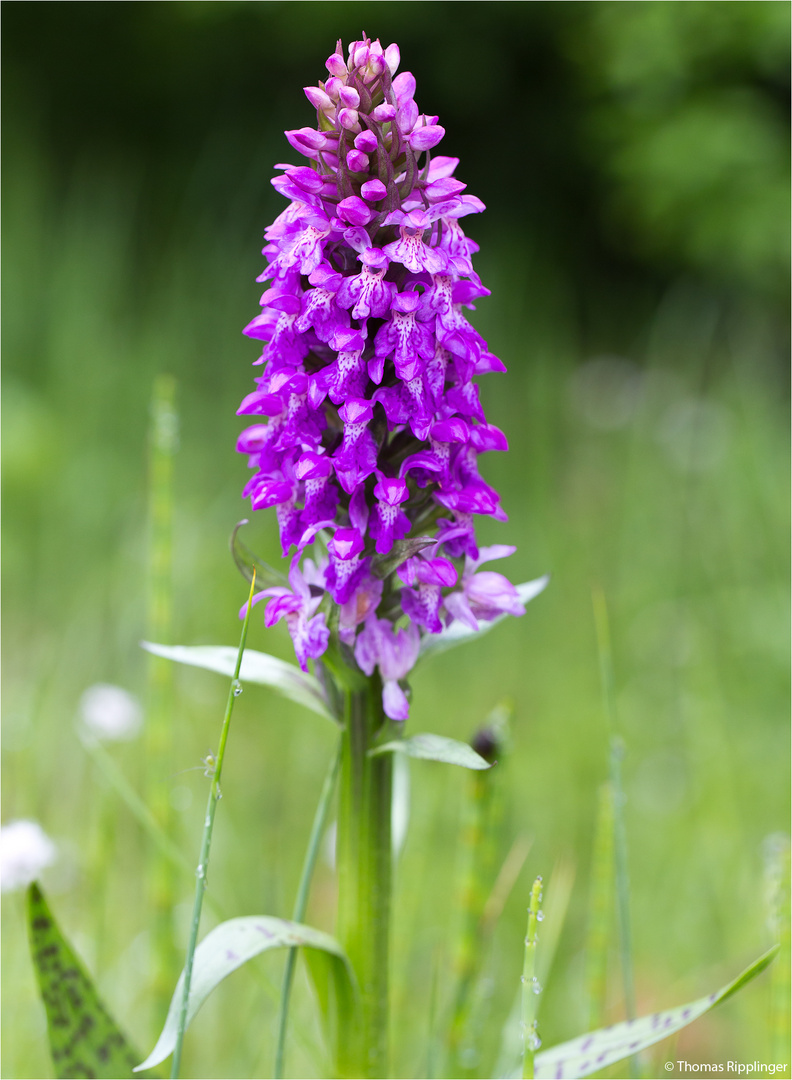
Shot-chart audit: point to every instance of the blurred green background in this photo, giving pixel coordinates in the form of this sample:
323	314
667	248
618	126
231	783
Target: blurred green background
634	161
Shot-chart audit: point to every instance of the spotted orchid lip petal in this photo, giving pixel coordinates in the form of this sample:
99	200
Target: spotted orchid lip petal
366	410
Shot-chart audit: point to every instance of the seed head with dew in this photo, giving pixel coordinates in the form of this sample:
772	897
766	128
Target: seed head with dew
367	419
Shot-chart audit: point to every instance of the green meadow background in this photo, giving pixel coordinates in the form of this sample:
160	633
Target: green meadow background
634	161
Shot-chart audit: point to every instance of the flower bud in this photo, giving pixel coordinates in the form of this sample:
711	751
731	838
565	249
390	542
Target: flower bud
366	141
404	87
348	118
333	87
425	138
357	161
383	113
336	65
354	211
318	98
406	117
392	58
349	97
373	190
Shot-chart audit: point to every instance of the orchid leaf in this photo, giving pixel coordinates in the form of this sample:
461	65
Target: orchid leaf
435	748
402	550
257	667
458	632
247	561
230	945
83	1037
589	1053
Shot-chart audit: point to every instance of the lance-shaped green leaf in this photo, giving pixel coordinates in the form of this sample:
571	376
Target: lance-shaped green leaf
83	1037
230	945
247	561
435	748
590	1053
257	667
457	632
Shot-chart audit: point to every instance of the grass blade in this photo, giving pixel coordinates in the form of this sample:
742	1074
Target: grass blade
531	987
777	874
601	896
83	1037
619	831
206	843
479	912
559	891
301	903
158	730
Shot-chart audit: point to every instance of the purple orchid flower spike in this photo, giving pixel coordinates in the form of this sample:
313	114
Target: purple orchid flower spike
367	425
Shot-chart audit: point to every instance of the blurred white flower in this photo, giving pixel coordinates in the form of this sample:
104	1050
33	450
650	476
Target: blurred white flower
25	850
110	713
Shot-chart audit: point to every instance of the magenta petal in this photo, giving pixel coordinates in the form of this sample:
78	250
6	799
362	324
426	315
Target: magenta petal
394	701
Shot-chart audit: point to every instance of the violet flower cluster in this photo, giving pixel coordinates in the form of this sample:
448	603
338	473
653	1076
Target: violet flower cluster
368	423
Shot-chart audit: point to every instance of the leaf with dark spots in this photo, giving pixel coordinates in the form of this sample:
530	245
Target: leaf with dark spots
83	1037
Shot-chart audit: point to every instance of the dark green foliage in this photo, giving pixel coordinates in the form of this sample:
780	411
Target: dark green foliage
83	1037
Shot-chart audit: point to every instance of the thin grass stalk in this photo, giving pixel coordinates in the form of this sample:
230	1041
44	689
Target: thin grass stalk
364	860
779	1012
158	732
616	755
480	832
475	885
136	806
530	985
301	903
432	1039
206	843
601	897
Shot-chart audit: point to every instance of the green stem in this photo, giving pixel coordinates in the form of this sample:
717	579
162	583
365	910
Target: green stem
203	862
530	985
300	904
364	878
